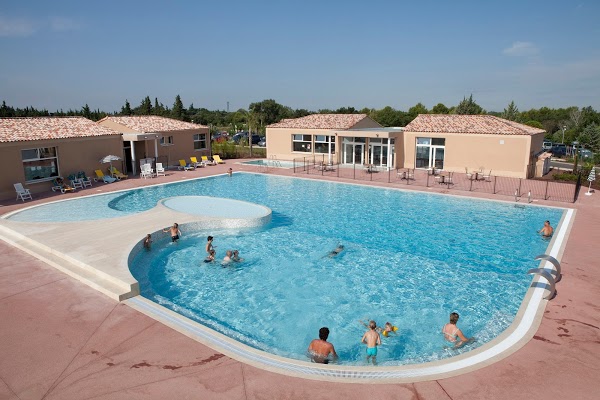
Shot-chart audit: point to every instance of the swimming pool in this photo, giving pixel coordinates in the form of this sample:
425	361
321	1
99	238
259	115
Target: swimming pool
272	163
409	258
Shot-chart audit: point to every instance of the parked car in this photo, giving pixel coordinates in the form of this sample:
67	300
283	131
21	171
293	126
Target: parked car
547	145
559	149
239	136
220	137
263	142
586	154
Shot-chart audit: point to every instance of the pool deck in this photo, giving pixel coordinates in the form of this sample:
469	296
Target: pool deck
61	339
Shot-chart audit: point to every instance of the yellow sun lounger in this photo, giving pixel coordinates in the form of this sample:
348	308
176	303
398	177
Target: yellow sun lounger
101	177
185	167
195	163
217	159
116	173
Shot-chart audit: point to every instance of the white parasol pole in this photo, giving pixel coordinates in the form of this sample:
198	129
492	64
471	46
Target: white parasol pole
591	178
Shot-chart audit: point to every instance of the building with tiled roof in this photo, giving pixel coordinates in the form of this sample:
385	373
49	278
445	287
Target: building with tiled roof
45	128
36	150
473	143
478	124
151	123
451	143
164	140
325	121
314	135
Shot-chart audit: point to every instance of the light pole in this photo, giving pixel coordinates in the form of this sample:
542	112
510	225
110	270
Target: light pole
563	139
575	144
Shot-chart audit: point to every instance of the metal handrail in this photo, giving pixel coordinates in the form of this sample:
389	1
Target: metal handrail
546	275
554	262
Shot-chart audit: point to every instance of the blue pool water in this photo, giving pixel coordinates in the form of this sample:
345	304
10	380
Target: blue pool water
409	258
273	163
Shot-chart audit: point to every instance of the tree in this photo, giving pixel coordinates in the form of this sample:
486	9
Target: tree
126	109
145	107
177	112
575	115
511	113
535	124
590	137
269	111
417	109
468	107
85	112
387	116
439	108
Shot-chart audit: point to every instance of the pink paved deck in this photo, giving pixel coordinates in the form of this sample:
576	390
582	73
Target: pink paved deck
60	339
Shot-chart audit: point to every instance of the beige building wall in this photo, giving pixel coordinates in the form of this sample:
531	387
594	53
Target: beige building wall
74	154
504	155
279	143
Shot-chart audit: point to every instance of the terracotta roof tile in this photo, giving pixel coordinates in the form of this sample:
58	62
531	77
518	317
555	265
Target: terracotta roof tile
478	124
43	128
152	123
321	121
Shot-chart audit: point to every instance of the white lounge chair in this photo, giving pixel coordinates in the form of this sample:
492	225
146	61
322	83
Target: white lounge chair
146	171
22	192
487	177
160	170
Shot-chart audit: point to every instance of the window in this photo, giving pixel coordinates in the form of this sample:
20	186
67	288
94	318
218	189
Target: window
40	163
166	140
301	143
200	141
322	144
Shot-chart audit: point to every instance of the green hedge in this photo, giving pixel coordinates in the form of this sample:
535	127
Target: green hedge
231	150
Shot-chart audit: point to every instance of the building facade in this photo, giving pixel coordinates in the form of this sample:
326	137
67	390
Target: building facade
455	143
34	151
162	139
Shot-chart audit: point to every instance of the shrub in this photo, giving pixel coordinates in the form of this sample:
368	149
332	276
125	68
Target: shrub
565	176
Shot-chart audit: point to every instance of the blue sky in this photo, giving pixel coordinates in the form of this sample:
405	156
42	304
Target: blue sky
303	54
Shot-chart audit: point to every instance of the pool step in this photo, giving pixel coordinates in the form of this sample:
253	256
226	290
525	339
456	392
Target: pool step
94	278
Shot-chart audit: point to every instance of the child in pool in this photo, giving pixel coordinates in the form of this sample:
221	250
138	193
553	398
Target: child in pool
387	329
210	257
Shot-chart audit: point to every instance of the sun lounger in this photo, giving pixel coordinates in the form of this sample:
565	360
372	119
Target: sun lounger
185	167
101	177
22	193
116	173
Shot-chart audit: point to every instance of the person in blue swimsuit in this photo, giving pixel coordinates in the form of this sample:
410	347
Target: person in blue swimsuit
454	335
372	339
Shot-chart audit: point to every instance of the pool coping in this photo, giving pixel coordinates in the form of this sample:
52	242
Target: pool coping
463	363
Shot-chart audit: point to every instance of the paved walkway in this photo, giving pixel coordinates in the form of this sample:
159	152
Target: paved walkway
60	339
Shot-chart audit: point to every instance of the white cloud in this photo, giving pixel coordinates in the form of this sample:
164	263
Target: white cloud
24	27
16	27
521	49
61	24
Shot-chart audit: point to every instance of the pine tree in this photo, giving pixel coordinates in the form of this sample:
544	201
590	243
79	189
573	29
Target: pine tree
146	107
511	113
177	111
469	107
126	109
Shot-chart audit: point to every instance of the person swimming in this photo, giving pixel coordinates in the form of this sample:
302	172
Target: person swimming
547	230
387	329
454	335
336	251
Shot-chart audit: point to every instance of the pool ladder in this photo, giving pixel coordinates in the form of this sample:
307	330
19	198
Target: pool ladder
547	274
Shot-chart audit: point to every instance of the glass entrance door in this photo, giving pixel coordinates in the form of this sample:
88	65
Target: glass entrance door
359	153
437	157
375	155
354	153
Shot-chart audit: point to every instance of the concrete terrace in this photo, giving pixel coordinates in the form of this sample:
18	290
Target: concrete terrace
60	339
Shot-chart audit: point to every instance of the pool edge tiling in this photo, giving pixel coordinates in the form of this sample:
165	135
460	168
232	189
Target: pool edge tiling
531	316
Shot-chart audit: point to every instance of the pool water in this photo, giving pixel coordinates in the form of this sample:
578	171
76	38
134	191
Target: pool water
409	258
273	163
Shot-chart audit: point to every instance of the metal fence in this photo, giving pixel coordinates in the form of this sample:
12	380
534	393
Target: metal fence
480	182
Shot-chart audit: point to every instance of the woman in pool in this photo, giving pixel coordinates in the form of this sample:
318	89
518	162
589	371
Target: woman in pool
453	334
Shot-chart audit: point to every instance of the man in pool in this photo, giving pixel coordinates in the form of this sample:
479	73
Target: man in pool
372	339
320	349
336	251
175	232
547	230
